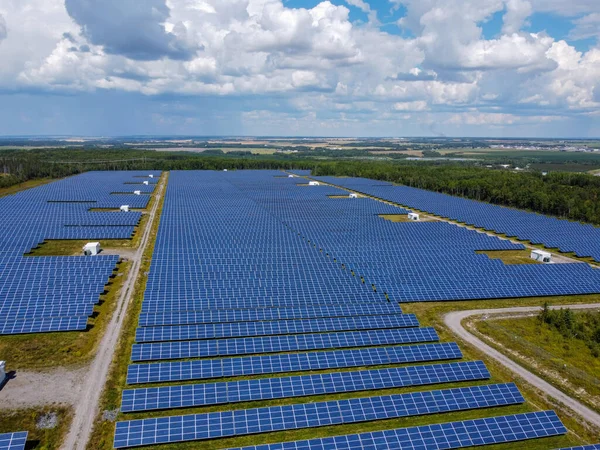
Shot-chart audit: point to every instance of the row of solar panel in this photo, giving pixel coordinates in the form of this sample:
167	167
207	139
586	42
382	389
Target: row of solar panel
444	436
289	362
275	344
244	329
260	314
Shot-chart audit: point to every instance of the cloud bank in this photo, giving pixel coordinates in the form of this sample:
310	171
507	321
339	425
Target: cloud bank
316	67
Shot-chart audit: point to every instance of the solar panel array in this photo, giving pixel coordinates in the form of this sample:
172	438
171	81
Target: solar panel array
309	415
299	386
255	273
581	239
13	441
468	433
409	261
58	293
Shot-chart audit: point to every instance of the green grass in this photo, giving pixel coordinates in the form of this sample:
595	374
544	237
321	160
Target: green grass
510	256
73	247
26	420
395	217
544	351
48	350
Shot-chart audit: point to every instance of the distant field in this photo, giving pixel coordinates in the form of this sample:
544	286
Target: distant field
255	150
564	167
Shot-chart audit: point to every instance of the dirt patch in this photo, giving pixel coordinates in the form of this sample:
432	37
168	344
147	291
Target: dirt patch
127	253
404	218
30	389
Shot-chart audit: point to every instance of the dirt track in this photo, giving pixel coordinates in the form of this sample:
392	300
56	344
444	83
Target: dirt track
454	320
87	404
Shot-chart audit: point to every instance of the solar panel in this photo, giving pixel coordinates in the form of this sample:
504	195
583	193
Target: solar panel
245	329
186	396
297	416
584	447
43	325
256	314
291	362
451	435
275	344
13	441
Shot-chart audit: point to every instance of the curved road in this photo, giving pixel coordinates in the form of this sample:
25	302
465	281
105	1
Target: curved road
87	406
454	320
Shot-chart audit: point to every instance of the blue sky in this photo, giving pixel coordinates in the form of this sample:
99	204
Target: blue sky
301	67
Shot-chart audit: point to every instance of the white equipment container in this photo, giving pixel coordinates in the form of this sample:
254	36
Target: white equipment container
91	248
541	256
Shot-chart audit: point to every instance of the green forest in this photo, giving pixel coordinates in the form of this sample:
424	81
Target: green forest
584	326
563	194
